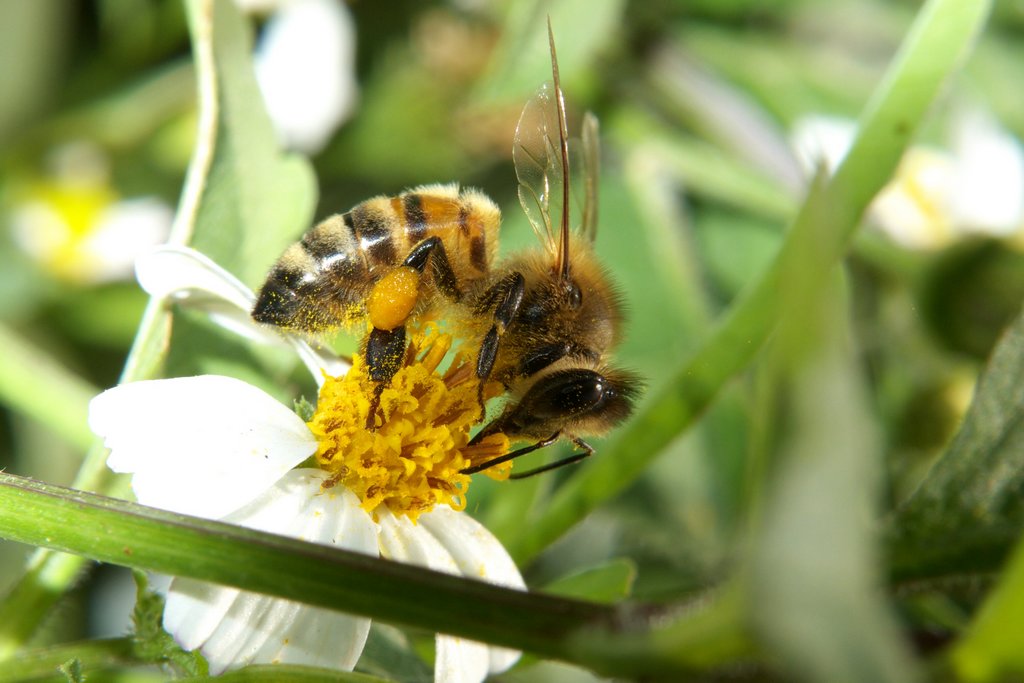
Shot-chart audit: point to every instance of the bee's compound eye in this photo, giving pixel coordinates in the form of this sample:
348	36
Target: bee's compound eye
575	294
567	393
575	398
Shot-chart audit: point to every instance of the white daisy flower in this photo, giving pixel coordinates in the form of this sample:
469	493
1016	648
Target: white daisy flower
218	448
74	224
305	68
976	186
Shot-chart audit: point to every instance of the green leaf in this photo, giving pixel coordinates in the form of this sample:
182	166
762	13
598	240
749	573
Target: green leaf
303	408
941	36
992	649
72	670
151	642
256	200
389	653
967	513
606	583
814	596
29	379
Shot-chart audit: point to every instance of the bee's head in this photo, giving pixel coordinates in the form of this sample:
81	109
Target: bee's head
570	398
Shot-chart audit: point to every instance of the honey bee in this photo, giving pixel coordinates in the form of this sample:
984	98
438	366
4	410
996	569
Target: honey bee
541	322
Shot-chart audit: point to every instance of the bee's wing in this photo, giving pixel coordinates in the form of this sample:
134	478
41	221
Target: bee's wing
586	173
538	165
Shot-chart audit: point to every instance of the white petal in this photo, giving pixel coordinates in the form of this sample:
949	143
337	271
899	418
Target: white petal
236	628
989	182
176	272
124	231
194	609
476	551
403	541
318	360
172	272
305	66
479	555
180	273
458	659
822	141
199	445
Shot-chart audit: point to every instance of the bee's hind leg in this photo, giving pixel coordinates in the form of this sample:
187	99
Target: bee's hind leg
385	350
389	305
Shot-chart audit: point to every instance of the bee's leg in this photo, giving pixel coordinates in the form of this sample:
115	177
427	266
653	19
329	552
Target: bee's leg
587	451
512	455
432	249
384	352
389	305
506	297
394	296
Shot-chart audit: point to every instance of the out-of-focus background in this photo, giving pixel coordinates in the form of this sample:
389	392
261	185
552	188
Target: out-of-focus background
714	115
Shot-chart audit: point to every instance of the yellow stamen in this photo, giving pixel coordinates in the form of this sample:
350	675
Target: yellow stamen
413	459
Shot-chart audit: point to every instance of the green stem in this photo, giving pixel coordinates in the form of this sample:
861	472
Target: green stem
119	532
938	41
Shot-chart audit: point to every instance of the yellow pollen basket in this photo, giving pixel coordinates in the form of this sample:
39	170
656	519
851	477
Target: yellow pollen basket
411	460
393	298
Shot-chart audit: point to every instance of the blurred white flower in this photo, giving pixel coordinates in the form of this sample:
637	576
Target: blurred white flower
219	448
989	176
305	67
74	224
975	186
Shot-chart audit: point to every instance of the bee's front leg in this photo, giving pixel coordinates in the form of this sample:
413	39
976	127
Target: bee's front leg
506	296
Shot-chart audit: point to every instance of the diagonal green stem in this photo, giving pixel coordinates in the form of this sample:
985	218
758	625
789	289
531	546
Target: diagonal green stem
939	40
119	532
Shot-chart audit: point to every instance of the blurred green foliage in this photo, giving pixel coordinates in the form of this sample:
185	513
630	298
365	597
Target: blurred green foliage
697	100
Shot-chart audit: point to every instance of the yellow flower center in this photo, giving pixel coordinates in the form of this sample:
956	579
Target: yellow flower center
411	460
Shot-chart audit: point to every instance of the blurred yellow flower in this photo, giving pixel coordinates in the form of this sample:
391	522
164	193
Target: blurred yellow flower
76	226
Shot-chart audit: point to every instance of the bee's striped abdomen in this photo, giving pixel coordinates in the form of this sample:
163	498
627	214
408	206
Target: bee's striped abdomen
466	223
322	281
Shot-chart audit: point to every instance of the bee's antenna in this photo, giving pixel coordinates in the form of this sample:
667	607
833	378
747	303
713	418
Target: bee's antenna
563	139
